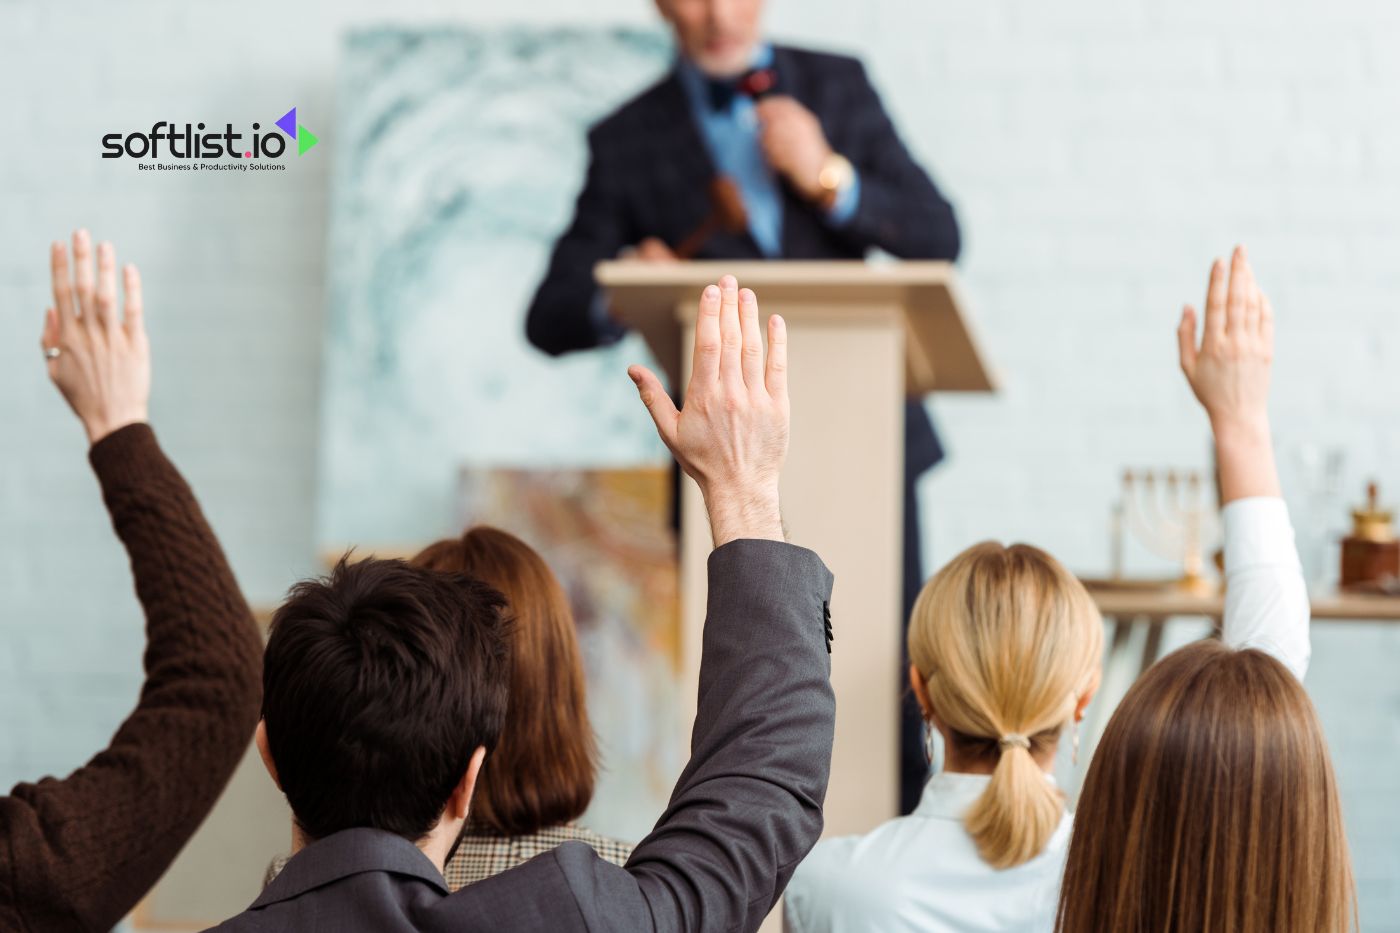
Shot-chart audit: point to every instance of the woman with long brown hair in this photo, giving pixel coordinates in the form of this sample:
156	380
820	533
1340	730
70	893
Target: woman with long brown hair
1210	803
539	779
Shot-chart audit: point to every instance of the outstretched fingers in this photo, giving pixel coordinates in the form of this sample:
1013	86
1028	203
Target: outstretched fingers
1254	305
63	301
731	333
49	338
1238	296
135	321
752	354
659	405
1216	291
105	297
82	269
1186	340
704	363
775	375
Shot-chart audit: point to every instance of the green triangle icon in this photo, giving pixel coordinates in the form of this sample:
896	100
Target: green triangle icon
304	140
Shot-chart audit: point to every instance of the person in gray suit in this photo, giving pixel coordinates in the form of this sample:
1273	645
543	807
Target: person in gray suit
385	689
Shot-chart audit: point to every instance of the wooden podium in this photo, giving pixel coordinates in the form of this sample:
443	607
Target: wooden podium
861	336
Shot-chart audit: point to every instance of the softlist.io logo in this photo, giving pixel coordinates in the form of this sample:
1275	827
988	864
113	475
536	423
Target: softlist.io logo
198	148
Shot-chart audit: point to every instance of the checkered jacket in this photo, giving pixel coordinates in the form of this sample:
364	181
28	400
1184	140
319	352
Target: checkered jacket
483	854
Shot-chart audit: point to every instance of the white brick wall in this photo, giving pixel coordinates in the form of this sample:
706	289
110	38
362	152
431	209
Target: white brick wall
1100	152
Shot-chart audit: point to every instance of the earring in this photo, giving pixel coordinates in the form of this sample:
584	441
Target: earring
1074	733
928	744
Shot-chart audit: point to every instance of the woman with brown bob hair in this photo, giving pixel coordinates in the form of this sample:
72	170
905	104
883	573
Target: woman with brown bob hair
539	779
1210	803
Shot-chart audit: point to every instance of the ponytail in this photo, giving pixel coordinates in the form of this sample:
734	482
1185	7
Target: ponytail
1007	642
1013	820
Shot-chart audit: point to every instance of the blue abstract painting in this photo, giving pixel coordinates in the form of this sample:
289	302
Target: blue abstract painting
458	155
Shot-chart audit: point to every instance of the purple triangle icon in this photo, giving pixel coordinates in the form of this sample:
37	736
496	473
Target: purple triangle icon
288	123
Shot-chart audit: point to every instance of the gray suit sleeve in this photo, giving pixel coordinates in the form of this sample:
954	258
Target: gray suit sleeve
748	806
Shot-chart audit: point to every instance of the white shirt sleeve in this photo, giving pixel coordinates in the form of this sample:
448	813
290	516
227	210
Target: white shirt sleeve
807	903
1266	599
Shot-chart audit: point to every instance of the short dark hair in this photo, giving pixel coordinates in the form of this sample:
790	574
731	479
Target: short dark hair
379	682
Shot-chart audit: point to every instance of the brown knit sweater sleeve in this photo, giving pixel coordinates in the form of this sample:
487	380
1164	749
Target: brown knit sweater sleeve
78	853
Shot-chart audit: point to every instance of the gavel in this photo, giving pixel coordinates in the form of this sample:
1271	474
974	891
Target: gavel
726	213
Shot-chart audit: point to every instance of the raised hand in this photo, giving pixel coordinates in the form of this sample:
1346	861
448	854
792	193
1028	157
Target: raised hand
1229	373
731	436
100	361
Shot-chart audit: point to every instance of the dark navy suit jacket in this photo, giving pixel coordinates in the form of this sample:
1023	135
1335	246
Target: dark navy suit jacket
649	174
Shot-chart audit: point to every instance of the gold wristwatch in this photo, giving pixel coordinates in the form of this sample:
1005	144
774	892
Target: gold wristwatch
835	176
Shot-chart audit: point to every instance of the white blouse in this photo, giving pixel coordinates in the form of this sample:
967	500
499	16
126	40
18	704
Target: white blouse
922	872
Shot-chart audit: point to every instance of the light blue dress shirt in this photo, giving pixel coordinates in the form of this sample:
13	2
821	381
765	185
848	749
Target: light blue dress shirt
731	136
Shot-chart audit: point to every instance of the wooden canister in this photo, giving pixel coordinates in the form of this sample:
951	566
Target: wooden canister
1370	554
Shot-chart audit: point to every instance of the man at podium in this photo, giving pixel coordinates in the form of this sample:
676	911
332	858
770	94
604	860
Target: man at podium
749	150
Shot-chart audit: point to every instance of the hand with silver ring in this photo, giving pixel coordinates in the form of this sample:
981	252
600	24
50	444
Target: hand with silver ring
99	359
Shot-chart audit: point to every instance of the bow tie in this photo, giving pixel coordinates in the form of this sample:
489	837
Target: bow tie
754	83
721	94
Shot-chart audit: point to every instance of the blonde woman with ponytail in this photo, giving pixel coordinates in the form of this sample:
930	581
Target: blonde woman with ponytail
1006	648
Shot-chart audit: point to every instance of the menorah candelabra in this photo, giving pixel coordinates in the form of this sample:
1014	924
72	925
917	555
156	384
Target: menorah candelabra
1167	512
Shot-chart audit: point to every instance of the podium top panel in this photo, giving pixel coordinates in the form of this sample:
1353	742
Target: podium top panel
776	274
942	351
